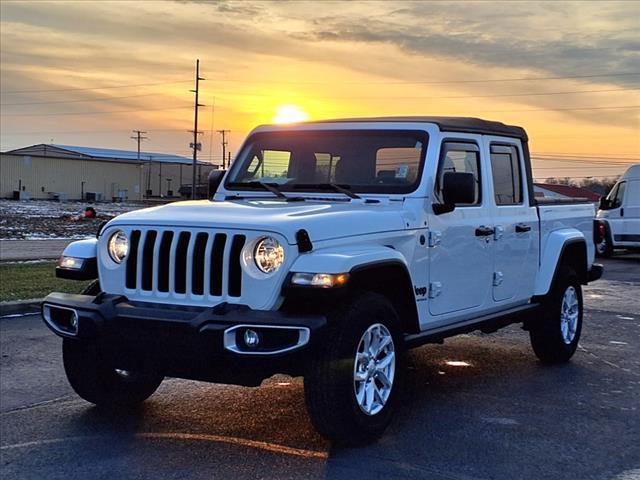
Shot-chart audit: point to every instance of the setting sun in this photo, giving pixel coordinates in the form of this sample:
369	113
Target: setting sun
290	114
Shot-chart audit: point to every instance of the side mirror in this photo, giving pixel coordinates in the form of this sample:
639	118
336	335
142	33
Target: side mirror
215	177
457	187
604	204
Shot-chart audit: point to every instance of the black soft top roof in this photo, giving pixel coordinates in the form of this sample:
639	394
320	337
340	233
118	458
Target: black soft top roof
455	124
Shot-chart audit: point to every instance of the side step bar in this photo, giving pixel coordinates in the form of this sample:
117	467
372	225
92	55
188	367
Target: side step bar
486	323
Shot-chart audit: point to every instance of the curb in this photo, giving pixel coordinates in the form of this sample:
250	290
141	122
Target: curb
20	306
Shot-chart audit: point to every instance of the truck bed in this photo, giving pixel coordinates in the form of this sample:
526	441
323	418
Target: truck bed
555	216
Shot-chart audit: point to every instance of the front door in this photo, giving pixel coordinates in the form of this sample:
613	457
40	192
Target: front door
461	242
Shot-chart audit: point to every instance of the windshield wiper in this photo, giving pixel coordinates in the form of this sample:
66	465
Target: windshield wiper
265	186
344	189
270	187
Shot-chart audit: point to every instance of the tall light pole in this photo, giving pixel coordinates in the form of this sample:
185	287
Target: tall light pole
195	144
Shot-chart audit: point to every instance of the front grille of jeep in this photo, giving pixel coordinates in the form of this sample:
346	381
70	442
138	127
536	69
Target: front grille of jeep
189	263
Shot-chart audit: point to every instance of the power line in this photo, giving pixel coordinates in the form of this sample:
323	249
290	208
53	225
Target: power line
377	97
618	156
560	109
92	88
77	101
573	177
440	82
289	82
440	97
88	113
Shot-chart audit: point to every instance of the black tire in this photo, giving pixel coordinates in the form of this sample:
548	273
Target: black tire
604	249
97	382
549	342
329	385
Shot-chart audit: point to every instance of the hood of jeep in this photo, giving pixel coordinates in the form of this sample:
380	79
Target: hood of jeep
323	220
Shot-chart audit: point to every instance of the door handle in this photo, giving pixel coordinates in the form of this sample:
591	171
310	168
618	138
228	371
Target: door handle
521	228
484	231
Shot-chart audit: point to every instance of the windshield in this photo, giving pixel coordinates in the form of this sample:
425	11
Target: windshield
367	161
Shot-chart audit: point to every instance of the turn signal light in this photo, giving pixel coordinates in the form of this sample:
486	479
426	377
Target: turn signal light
320	280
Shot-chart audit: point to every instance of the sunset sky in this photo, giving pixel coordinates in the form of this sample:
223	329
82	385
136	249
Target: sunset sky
87	73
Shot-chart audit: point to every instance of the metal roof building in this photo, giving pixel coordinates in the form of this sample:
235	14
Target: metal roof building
52	171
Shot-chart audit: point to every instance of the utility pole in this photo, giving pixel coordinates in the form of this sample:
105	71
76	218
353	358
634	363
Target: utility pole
224	144
195	144
139	138
229	160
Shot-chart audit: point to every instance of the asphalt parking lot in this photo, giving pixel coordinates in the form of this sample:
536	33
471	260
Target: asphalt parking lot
477	407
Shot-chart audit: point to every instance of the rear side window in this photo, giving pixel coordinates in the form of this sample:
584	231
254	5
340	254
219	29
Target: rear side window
506	174
459	157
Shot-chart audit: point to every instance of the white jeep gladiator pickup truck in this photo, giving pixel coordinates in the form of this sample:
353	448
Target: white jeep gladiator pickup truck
327	250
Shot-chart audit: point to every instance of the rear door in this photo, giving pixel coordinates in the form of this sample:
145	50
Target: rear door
515	222
461	249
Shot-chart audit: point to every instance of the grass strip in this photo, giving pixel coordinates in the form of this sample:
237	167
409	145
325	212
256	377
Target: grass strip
22	281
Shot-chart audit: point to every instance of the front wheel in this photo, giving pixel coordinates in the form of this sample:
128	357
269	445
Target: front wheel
100	383
354	380
555	336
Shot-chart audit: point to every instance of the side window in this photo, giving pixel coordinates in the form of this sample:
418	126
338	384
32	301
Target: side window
506	174
273	164
325	167
459	157
398	165
619	197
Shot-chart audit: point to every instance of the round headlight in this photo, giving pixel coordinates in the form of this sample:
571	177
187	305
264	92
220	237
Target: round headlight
118	246
268	255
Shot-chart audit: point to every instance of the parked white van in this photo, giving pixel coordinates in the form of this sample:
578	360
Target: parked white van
618	218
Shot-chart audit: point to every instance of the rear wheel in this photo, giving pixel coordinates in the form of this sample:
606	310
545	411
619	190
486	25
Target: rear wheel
555	336
354	380
604	248
97	381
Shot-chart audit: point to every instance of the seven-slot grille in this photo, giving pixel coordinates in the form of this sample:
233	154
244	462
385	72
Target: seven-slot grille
185	263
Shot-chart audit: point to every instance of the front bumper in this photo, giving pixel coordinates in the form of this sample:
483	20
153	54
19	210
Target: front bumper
201	343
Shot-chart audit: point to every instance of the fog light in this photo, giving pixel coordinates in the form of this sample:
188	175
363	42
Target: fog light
251	338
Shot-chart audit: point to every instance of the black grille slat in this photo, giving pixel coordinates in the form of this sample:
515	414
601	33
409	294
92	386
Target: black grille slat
163	261
181	262
147	259
235	269
132	259
217	259
197	269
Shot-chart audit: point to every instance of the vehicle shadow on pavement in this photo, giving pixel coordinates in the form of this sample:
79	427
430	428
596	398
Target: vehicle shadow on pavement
484	407
476	407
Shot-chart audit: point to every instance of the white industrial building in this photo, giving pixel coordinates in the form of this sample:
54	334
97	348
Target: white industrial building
48	171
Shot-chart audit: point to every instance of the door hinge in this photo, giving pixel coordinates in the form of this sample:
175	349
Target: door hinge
434	238
435	289
499	231
497	278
